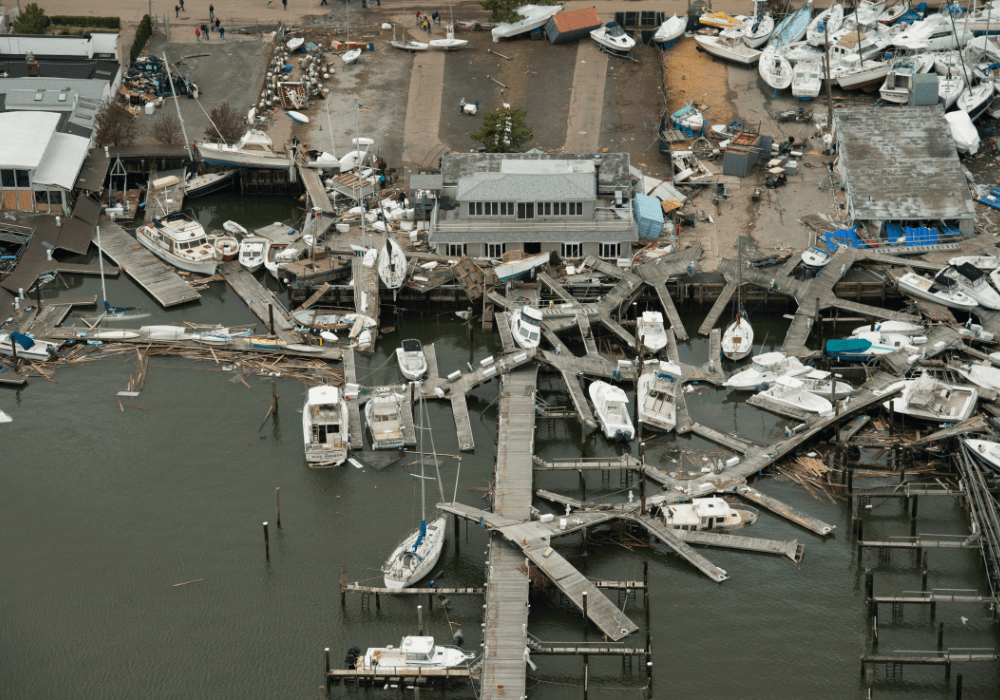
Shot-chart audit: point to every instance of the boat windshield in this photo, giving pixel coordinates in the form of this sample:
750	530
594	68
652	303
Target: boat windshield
614	30
529	321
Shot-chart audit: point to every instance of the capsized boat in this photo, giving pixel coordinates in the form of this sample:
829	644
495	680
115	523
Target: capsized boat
792	28
737	340
730	46
864	346
775	69
181	241
532	17
930	399
200	185
866	12
611	411
4	418
986	451
412	361
252	252
651	331
392	264
254	150
894	327
515	264
384	415
940	290
789	392
807	81
825	24
670	31
325	427
656	394
712	513
612	37
28	348
973	282
986	263
526	326
821	383
764	368
981	374
413	655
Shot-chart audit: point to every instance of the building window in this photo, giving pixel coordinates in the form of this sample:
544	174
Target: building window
494	208
631	20
571	251
576	208
608	250
7	178
494	250
526	210
545	208
456	250
479	208
506	209
648	19
41	197
22	179
562	208
472	208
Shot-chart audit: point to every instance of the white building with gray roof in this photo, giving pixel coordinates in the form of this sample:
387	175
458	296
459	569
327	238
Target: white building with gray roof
486	204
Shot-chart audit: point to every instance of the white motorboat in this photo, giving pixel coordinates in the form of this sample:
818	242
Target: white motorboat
28	348
651	331
867	12
864	346
526	326
975	99
963	132
413	655
278	254
982	374
949	88
351	56
986	451
449	42
295	43
325	427
384	415
894	327
409	45
656	394
392	264
939	290
730	46
825	24
793	27
706	514
894	12
720	20
759	28
737	339
807	82
986	263
216	336
181	241
515	265
670	31
532	17
899	81
933	33
789	392
611	411
801	52
412	361
253	150
973	282
821	383
764	368
252	252
930	399
815	258
854	74
226	245
612	37
201	185
775	69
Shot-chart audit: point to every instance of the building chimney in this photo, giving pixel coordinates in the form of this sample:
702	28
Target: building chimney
32	67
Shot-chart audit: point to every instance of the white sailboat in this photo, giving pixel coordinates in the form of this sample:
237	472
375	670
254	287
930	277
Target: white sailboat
821	383
737	339
764	368
526	326
516	264
418	553
611	410
651	331
976	98
789	392
449	42
826	23
392	264
759	28
411	359
730	46
325	427
656	391
775	69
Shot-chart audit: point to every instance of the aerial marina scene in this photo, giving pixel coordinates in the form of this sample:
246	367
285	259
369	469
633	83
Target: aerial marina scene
667	363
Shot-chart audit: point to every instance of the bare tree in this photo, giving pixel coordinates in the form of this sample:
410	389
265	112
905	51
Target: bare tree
114	125
229	123
167	130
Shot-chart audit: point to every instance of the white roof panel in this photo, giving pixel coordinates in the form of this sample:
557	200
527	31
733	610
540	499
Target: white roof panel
62	161
26	135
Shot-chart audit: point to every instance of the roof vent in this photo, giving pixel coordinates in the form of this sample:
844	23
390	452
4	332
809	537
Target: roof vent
39	96
62	96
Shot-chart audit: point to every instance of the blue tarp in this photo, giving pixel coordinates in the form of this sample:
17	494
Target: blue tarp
648	215
22	340
844	237
894	232
921	236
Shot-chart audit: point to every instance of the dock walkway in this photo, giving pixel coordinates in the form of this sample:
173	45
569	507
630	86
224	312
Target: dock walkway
356	437
261	301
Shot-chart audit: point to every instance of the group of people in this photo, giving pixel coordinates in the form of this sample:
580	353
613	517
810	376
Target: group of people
205	30
425	22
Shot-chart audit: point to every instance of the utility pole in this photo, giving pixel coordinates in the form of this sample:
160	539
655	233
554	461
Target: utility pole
829	90
187	143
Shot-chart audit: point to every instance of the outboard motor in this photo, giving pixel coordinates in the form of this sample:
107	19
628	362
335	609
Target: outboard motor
459	638
352	658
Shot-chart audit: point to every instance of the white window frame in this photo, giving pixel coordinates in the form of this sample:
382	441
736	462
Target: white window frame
456	250
602	248
567	254
494	250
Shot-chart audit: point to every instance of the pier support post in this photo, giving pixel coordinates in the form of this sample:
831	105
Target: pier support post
343	586
947	671
586	674
940	635
850	480
861	537
420	619
870	590
958	687
267	544
326	655
923	573
270	316
430	602
892	416
277	505
457	545
583	486
378	602
585	614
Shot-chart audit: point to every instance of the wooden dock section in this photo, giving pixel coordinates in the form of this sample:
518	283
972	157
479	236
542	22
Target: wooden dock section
728	441
314	186
717	309
669	310
365	289
430	354
164	200
786	511
682	417
506	336
152	274
261	301
668	536
790	549
579	400
587	333
918	543
460	410
356	437
481	374
556	288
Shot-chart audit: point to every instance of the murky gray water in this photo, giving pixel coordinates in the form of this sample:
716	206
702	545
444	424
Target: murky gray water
102	512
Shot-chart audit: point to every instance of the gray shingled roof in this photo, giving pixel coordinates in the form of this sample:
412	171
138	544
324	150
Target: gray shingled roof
527	187
533	236
614	172
902	164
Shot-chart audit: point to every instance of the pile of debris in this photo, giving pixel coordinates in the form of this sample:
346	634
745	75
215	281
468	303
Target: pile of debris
149	81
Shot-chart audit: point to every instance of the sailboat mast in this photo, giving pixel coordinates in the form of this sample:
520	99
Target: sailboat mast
423	490
100	260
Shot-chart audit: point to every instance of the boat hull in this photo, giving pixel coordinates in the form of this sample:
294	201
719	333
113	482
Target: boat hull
398	580
518	269
207	184
720	51
206	267
214	156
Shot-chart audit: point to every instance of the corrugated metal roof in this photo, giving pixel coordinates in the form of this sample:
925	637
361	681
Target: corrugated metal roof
26	135
527	187
583	19
62	160
901	164
614	171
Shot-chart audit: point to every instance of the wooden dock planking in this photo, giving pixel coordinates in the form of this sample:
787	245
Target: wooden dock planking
783	548
560	499
356	438
871	311
789	265
557	344
684	424
481	374
430	354
797	334
407	427
661	269
260	300
78	269
718	308
579	399
669	537
556	288
786	511
615	328
314	186
587	333
506	336
365	289
460	410
152	274
670	310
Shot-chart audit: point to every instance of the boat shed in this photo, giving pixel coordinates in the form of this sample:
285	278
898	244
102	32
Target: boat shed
901	165
572	25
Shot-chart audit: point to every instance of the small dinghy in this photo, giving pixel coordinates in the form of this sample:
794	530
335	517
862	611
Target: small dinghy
450	42
234	228
775	69
112	335
789	392
226	245
651	331
611	411
252	252
656	395
295	43
670	31
392	265
411	359
351	56
169	333
325	425
763	369
894	327
298	117
807	80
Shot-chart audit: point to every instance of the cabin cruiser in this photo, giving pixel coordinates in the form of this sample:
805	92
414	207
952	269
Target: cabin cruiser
894	327
651	331
933	33
940	290
789	392
825	24
867	11
611	410
730	46
181	241
384	414
973	282
252	252
821	383
612	37
526	326
986	263
656	394
253	150
806	83
893	12
899	82
764	368
325	426
532	17
930	399
28	348
864	346
412	361
413	655
712	513
986	452
670	31
815	258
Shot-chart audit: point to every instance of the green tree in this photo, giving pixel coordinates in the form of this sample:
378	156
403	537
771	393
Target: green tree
504	130
114	125
32	20
505	10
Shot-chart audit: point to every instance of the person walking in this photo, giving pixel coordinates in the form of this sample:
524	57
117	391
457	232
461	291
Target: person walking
197	34
204	30
222	33
211	12
323	3
177	11
182	5
218	24
418	18
285	3
436	17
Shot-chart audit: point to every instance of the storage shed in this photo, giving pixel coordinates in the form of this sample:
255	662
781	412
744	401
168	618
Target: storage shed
569	26
648	215
743	153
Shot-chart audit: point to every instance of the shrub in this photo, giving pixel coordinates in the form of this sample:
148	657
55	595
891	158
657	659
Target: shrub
88	22
142	35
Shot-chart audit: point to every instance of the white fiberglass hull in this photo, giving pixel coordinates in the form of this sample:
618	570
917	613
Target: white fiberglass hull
658	412
515	270
392	265
204	267
954	301
525	334
800	400
737	340
402	571
535	16
215	154
745	56
411	365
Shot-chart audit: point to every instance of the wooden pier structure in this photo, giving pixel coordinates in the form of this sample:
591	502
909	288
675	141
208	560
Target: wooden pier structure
261	301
